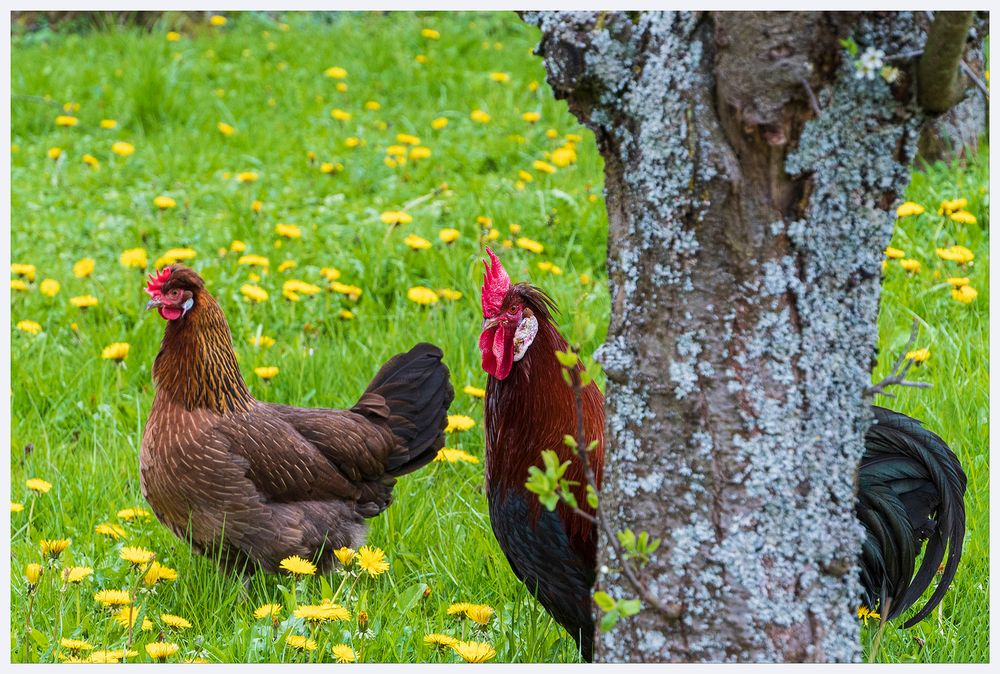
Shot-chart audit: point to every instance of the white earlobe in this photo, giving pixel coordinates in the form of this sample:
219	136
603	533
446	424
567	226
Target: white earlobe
524	336
187	305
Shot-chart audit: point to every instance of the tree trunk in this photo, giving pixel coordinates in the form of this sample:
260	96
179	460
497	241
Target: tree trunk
751	179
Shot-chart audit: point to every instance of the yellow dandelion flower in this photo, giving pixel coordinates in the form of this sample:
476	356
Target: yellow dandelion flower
893	253
254	261
949	206
918	355
439	640
53	547
112	597
136	555
479	613
31	327
417	242
407	139
297	566
449	234
864	613
474	391
262	341
322	612
422	295
16	507
134	258
123	149
439	123
959	254
25	270
351	142
430	34
161	650
345	555
288	231
217	20
300	643
112	531
529	245
49	287
459	422
963	217
91	161
458	608
372	560
126	617
292	288
83	301
446	454
964	294
420	152
335	72
353	292
112	656
175	621
225	129
83	268
164	202
253	292
158	572
909	208
286	265
340	115
343	653
19	285
478	115
129	514
449	294
173	36
564	156
474	651
54	153
109	123
76	574
116	351
265	373
910	265
346	314
75	645
958	281
39	485
531	117
543	166
267	611
32	573
396	218
175	255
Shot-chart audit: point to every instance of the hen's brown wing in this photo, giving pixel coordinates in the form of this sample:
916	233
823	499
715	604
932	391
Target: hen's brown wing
295	454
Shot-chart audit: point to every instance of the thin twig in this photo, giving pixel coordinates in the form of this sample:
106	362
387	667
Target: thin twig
671	611
897	376
967	69
812	96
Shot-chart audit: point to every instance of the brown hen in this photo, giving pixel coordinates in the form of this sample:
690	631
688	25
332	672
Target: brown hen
251	483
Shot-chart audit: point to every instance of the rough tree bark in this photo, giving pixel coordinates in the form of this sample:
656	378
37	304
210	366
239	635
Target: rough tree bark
750	182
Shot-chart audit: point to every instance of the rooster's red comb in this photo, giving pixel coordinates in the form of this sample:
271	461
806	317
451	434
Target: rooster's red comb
156	281
496	283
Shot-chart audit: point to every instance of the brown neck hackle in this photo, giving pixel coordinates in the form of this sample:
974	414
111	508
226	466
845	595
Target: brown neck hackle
197	366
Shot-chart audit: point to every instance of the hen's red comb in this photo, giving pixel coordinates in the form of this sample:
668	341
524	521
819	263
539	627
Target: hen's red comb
496	283
156	282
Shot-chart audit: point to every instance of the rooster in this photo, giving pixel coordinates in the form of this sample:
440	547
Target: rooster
911	485
251	483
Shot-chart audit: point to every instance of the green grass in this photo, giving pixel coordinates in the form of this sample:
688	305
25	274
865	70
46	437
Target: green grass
78	419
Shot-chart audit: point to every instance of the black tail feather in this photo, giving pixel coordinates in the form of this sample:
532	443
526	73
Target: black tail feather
911	487
415	387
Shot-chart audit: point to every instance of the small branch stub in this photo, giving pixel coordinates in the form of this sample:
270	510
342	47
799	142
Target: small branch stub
897	376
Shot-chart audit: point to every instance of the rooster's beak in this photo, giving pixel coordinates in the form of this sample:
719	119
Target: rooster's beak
490	323
155	302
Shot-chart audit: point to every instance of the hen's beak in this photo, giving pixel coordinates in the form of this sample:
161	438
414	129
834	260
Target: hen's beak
155	302
490	323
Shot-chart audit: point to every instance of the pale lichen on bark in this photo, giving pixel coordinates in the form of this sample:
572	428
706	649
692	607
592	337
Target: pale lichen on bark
744	249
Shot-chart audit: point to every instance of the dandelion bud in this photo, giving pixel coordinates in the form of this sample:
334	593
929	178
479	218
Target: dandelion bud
362	620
